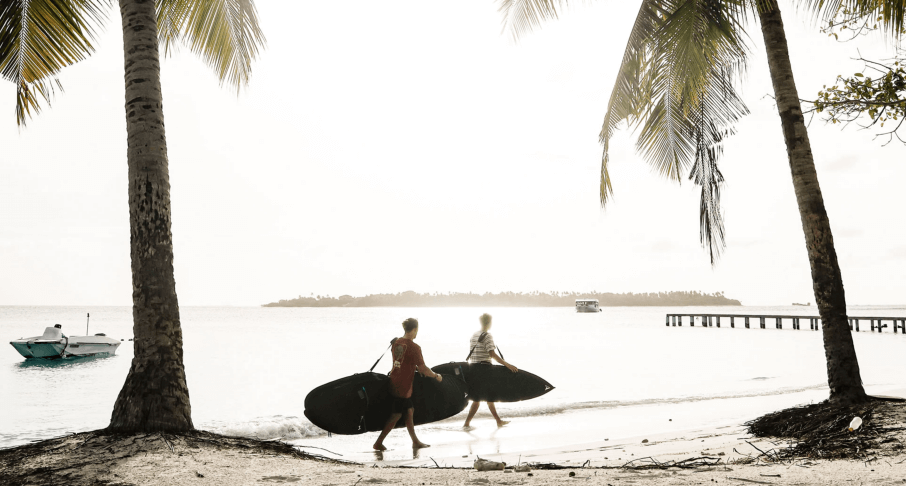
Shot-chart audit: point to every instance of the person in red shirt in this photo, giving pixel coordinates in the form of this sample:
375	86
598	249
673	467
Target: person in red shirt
407	358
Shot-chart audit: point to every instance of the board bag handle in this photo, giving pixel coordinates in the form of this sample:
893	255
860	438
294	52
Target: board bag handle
382	355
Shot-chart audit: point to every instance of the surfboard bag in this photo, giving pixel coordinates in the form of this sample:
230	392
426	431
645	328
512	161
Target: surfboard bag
489	383
362	402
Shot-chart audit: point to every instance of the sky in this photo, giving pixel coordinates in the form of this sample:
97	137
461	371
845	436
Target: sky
413	145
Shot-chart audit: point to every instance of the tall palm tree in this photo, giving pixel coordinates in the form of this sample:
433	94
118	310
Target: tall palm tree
38	38
677	82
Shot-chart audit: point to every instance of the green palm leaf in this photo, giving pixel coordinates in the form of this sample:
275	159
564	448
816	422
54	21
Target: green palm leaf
676	83
38	38
225	33
689	53
522	16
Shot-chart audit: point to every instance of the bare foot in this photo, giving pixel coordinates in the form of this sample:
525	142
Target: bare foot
501	423
419	445
379	447
467	428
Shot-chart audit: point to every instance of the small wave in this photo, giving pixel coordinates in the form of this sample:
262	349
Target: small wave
552	409
294	428
267	428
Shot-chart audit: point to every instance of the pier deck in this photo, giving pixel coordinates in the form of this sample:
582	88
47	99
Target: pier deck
709	320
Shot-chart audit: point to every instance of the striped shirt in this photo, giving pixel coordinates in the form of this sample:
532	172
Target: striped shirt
482	350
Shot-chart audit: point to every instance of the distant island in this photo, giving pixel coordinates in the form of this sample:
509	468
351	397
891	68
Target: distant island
509	299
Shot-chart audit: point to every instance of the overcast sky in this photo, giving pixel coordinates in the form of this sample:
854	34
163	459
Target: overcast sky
410	145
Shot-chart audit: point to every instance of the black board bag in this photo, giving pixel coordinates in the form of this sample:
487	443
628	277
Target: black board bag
491	383
488	383
362	403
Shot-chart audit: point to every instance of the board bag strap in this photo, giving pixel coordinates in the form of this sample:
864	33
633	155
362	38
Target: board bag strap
382	355
481	340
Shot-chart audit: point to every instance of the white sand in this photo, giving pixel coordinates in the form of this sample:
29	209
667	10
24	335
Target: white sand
151	460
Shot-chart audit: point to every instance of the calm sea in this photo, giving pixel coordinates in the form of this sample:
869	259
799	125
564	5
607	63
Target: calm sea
618	373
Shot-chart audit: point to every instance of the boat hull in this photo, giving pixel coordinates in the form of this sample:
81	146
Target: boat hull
39	350
65	347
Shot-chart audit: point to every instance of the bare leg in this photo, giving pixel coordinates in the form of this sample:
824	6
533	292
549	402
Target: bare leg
394	418
500	423
410	426
472	412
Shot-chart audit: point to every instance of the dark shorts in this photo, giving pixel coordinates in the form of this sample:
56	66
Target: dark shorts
400	405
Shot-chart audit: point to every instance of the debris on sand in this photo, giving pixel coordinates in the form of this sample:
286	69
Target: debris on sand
830	431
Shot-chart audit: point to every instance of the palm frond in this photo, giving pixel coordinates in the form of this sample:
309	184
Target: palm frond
225	33
892	13
171	19
38	38
706	175
677	81
629	92
523	16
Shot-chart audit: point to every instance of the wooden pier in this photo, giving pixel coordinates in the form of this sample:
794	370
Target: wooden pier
710	320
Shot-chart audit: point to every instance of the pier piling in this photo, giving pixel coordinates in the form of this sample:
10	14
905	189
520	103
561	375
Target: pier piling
814	322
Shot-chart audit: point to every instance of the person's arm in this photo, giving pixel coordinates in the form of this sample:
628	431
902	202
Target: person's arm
424	370
500	360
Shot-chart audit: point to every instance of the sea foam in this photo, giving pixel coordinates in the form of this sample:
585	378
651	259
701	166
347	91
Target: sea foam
267	428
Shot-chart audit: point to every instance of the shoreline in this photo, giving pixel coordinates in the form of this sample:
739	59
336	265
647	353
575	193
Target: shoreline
722	454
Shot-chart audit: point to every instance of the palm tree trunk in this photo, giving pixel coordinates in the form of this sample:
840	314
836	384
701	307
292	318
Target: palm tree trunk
842	366
155	396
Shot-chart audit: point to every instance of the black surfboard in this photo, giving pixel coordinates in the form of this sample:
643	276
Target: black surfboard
490	383
362	403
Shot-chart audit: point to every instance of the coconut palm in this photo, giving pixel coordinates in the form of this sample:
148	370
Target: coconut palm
677	84
38	38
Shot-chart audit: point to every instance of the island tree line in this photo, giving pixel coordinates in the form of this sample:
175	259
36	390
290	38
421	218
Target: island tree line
509	299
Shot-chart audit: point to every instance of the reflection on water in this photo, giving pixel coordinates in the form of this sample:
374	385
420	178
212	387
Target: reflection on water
61	363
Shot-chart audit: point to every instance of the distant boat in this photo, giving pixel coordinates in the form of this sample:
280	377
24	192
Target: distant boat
587	305
803	304
53	344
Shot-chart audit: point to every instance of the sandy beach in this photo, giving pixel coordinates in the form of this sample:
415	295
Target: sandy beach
726	455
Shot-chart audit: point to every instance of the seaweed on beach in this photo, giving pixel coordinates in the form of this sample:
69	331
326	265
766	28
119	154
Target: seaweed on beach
821	430
690	463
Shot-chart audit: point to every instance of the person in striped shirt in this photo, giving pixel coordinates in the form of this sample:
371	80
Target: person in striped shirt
483	351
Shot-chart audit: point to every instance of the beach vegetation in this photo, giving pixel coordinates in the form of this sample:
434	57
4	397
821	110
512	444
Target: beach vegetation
874	97
510	299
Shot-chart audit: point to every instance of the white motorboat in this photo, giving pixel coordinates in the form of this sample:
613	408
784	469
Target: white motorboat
587	305
54	344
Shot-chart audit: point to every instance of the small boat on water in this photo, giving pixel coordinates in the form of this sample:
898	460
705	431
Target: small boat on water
53	344
587	305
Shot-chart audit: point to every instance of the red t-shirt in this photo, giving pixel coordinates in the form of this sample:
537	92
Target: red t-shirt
406	356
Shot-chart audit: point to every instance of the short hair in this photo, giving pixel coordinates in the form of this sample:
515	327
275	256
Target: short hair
410	324
485	319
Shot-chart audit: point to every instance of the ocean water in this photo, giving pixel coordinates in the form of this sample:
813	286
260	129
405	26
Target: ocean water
618	373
